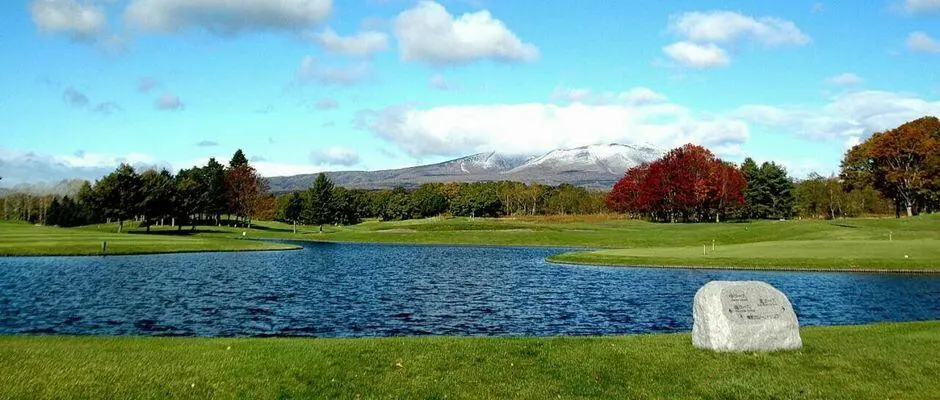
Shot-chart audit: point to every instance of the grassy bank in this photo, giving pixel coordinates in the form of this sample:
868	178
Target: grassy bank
850	362
922	255
851	244
29	240
888	244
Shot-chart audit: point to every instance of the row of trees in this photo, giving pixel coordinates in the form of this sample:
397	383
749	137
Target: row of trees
690	184
324	203
192	195
687	184
829	198
898	168
903	164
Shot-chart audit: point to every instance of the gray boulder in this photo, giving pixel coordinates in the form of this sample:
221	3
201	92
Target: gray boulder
744	316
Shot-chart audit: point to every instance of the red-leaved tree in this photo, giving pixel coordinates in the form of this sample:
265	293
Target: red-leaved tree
687	184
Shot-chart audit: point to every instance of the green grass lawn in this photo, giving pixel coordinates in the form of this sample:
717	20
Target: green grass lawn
25	239
851	244
910	255
879	361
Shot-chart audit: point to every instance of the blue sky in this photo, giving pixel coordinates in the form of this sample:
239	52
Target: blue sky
310	85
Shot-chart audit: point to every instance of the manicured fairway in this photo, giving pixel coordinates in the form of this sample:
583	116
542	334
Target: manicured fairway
851	244
884	361
913	255
24	239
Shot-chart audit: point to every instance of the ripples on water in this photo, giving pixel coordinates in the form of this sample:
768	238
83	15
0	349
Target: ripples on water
388	290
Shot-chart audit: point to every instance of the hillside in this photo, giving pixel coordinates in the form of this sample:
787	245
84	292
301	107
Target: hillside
595	166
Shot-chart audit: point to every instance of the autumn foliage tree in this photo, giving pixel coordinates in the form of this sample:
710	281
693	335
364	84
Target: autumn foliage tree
245	190
687	184
902	163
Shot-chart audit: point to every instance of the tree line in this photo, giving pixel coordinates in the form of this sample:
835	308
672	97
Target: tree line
690	184
896	170
195	195
325	203
903	164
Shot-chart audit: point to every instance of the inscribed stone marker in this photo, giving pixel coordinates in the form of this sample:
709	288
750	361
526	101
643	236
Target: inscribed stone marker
744	316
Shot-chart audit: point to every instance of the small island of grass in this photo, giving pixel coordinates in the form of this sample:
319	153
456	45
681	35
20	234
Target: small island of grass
19	239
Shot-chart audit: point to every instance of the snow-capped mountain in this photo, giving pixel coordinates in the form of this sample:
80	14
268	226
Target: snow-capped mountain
487	162
602	158
598	166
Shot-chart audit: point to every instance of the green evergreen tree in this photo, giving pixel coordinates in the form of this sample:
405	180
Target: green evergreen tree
158	193
293	209
119	194
318	202
238	159
53	215
212	178
769	191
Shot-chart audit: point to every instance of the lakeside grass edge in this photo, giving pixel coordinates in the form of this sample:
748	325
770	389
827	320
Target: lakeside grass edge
555	260
146	252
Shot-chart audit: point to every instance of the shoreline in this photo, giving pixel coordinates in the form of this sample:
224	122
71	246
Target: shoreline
419	336
549	259
148	253
738	268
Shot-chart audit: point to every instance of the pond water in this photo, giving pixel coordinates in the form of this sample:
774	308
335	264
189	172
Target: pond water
387	290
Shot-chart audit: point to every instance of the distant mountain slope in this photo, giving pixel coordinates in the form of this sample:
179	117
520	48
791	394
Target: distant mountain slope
595	166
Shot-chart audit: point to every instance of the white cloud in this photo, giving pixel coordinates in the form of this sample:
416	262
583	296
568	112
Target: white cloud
168	102
635	97
727	26
703	32
641	96
311	70
920	41
82	21
538	127
361	44
847	117
570	94
19	167
921	6
226	17
851	142
697	55
335	155
428	33
845	79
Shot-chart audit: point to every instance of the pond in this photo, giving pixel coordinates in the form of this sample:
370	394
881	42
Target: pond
331	290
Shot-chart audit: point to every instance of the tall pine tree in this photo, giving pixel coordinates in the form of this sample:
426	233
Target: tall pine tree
318	202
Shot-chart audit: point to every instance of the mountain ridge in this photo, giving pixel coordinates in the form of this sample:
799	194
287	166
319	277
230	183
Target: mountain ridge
596	166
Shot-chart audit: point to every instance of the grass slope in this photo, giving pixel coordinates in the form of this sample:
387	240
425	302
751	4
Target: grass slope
26	240
847	362
849	255
851	244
